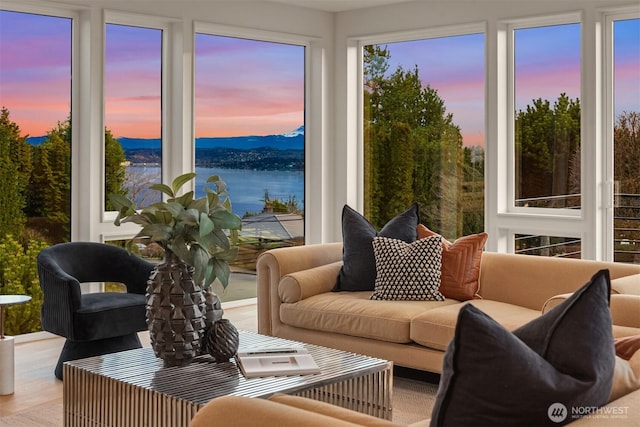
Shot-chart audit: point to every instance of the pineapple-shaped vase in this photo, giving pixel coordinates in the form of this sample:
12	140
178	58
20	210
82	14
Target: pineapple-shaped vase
174	310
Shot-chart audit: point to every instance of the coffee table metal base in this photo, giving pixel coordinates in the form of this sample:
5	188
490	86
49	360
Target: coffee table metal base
133	389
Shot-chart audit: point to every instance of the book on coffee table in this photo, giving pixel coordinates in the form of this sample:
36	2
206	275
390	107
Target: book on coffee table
267	362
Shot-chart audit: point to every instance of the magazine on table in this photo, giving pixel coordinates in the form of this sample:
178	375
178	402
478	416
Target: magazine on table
266	362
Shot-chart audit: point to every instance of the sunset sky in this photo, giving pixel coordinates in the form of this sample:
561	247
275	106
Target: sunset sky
257	88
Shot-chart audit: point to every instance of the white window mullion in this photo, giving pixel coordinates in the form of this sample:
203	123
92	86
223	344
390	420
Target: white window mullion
593	182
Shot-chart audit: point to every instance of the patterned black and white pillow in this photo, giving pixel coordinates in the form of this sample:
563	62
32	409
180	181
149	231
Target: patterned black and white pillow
407	271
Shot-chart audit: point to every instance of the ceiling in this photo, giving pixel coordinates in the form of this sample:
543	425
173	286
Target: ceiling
338	5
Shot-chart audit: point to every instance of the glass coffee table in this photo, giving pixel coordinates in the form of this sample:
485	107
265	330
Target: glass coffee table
133	388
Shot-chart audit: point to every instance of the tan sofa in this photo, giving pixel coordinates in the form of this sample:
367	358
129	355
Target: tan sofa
295	302
281	410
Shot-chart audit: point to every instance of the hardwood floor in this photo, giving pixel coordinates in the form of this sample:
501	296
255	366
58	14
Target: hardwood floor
35	384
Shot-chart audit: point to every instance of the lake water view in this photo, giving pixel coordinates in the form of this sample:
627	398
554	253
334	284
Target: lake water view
246	187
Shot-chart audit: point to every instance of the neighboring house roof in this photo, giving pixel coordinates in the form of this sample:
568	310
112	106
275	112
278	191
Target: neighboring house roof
273	226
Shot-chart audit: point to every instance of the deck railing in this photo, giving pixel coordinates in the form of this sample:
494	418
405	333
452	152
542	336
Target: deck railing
626	230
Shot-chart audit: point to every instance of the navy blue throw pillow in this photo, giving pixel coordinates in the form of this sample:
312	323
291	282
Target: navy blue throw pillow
358	272
550	371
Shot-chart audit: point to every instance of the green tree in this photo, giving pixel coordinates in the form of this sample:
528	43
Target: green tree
19	275
626	139
15	168
114	167
50	185
49	203
547	141
412	148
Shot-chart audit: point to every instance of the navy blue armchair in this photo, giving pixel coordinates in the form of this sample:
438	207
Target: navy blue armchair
93	323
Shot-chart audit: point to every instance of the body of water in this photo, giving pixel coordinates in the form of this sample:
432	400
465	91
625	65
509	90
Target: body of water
246	187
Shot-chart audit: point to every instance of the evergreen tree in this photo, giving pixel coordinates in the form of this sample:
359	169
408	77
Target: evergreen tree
15	168
115	168
547	141
413	150
50	182
626	137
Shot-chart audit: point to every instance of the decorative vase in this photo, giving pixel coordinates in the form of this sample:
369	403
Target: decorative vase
222	340
174	311
212	313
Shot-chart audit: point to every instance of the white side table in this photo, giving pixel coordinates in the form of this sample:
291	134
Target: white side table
7	362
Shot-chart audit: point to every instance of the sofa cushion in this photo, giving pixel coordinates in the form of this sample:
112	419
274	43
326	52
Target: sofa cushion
436	328
535	375
358	273
407	271
626	376
353	313
460	264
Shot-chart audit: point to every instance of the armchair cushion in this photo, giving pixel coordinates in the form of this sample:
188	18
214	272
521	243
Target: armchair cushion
109	314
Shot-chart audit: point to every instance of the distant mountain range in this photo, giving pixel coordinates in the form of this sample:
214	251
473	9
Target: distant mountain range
289	141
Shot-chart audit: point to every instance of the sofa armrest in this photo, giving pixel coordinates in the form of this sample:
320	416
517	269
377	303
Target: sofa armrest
625	308
626	285
303	284
237	411
333	411
274	264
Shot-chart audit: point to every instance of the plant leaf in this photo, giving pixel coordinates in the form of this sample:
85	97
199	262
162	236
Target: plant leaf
221	270
206	225
220	239
201	204
200	260
226	219
163	188
189	217
180	248
228	255
156	232
213	197
185	199
121	202
179	181
174	208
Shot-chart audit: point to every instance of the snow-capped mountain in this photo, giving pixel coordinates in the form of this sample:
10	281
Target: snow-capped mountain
299	131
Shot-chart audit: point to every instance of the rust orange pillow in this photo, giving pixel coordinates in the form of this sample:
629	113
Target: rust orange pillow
460	264
627	346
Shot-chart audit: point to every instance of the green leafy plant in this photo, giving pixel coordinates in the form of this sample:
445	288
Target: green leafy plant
193	229
19	275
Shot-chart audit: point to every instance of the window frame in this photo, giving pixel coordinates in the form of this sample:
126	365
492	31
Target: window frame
144	22
608	88
511	27
312	60
357	48
72	13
